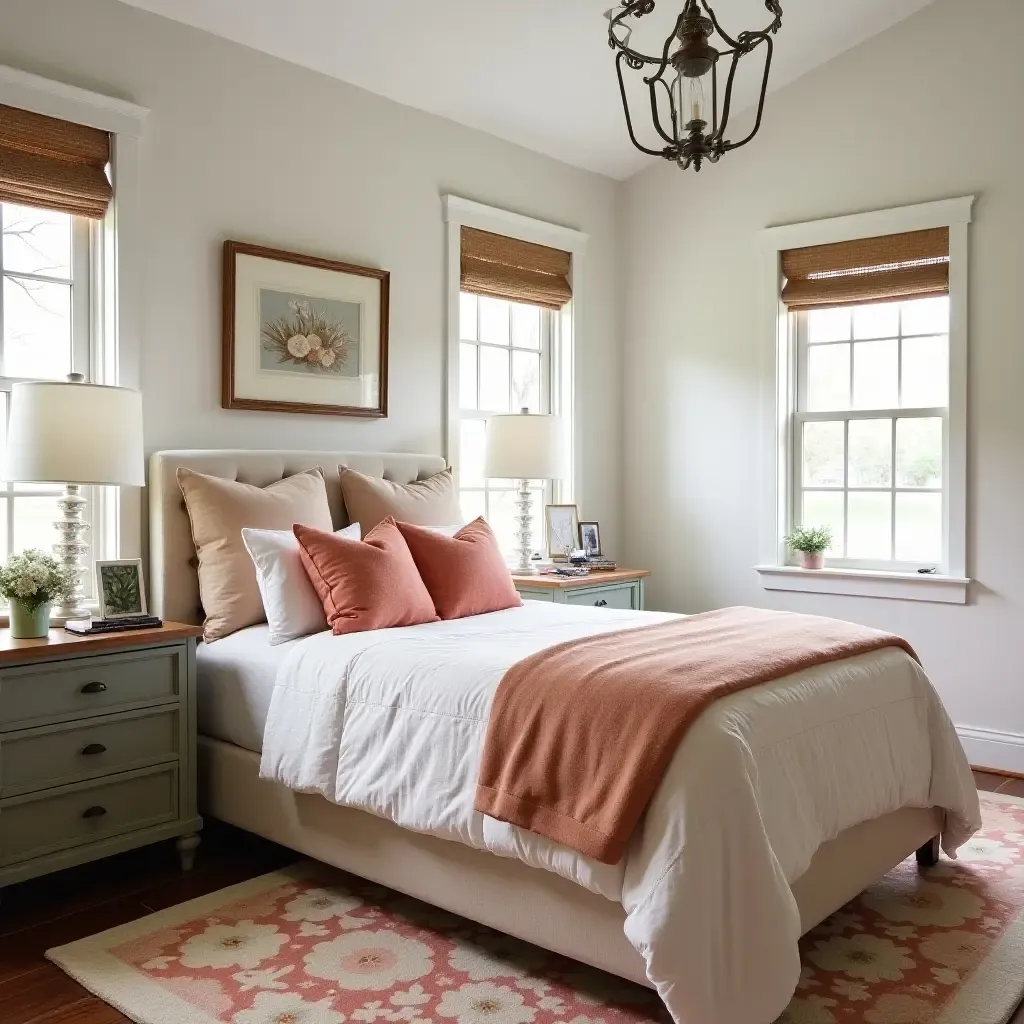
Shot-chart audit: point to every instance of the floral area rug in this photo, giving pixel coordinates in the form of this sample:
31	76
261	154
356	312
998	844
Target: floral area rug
309	946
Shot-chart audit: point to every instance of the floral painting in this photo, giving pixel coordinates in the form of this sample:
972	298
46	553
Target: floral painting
303	334
300	334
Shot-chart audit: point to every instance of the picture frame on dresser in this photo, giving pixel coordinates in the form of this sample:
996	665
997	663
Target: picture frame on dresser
590	540
121	588
561	531
303	334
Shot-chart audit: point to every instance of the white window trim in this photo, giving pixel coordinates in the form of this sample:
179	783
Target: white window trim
458	212
117	246
778	399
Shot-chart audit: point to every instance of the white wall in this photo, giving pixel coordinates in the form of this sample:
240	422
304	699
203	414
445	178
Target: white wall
243	145
925	111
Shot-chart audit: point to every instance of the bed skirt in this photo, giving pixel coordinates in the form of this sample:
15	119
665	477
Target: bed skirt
529	903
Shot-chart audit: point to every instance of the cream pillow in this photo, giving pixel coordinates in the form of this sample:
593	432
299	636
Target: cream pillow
218	510
369	500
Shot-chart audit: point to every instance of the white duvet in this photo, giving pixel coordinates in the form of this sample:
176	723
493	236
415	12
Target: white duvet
393	722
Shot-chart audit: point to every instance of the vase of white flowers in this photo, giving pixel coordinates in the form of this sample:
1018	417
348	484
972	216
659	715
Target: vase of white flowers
31	582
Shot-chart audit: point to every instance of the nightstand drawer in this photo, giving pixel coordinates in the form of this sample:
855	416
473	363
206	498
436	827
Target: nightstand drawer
57	755
79	687
30	827
624	596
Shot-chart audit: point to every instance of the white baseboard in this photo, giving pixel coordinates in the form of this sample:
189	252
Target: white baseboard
987	748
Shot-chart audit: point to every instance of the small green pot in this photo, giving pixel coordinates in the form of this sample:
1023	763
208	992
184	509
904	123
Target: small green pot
28	623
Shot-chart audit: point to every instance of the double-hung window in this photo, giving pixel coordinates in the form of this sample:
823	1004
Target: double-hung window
870	431
512	305
45	328
868	436
55	228
505	358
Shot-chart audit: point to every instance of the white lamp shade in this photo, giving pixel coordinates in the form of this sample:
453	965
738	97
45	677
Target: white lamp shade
75	434
526	447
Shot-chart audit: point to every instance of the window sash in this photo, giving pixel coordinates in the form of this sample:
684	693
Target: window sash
549	329
799	416
101	511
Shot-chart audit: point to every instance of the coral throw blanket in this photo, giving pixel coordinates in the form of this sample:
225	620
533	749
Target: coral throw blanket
580	734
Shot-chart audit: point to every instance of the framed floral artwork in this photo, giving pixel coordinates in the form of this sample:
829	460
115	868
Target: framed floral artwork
303	334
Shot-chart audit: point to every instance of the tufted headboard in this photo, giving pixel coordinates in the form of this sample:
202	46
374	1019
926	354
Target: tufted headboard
173	582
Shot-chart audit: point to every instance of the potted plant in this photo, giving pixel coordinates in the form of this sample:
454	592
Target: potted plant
30	582
810	543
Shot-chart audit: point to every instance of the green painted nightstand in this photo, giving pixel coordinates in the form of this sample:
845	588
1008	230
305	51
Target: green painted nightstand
97	747
617	588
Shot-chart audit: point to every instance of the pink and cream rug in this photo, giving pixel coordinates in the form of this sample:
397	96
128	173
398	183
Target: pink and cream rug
298	947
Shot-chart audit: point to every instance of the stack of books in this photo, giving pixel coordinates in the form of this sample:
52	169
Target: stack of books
89	627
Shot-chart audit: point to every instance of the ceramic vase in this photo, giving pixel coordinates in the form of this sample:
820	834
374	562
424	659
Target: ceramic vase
812	559
27	622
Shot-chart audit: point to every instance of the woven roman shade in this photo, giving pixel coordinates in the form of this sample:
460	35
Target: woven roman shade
507	268
53	164
914	265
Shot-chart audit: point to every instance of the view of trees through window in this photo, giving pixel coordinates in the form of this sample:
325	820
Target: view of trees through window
40	270
872	412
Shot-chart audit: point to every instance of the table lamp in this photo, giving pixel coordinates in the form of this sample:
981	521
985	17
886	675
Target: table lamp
78	435
525	447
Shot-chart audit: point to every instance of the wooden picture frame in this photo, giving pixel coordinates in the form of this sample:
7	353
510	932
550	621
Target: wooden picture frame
303	334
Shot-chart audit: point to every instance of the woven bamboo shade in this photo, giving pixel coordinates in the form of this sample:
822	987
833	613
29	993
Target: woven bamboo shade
914	265
53	164
507	268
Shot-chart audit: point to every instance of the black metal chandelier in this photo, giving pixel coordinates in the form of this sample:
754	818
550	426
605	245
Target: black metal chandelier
692	128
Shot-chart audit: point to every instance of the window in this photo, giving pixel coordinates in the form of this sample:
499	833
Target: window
514	286
865	425
44	335
70	281
504	366
870	428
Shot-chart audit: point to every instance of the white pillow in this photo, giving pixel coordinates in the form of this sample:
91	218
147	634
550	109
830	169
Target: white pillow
292	606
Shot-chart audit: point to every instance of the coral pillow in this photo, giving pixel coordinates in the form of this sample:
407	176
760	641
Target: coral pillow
367	584
465	574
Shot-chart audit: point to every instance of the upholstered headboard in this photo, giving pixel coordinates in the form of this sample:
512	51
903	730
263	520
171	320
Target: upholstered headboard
173	582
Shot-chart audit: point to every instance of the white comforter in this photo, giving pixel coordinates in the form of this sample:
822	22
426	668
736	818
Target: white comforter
393	722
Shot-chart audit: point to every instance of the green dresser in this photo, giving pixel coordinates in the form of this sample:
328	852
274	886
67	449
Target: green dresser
619	588
97	747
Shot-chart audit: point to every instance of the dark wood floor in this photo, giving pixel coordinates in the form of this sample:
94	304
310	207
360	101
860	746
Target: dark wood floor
73	904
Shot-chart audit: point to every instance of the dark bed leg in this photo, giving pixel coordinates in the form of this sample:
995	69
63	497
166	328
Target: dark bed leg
928	855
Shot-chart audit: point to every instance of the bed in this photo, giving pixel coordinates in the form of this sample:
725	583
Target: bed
553	911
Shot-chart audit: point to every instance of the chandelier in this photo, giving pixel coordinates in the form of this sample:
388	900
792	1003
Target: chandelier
683	85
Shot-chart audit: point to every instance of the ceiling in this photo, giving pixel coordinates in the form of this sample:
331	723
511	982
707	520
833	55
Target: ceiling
535	72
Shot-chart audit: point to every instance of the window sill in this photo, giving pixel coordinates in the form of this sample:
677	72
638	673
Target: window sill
899	586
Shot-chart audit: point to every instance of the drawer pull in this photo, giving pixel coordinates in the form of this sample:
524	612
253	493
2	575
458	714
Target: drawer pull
93	749
94	688
601	604
94	812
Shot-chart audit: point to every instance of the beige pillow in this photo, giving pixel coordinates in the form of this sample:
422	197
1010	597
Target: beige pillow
369	500
219	509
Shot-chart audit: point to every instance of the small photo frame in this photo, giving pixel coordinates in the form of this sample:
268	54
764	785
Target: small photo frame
561	528
121	589
590	540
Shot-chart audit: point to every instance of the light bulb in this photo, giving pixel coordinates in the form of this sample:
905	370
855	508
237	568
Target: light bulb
688	102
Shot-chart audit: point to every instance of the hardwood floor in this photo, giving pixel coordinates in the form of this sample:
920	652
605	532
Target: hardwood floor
70	905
